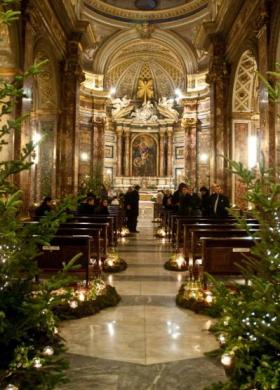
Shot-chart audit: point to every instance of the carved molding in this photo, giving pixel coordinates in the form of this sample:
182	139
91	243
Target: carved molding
180	11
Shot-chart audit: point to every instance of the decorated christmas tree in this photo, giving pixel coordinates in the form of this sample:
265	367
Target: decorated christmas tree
31	348
249	326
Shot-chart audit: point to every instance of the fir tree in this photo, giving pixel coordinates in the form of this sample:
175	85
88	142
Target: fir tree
31	348
249	327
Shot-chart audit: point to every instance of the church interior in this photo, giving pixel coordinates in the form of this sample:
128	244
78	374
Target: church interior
148	94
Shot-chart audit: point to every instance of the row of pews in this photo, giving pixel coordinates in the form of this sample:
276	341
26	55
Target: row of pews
90	236
219	243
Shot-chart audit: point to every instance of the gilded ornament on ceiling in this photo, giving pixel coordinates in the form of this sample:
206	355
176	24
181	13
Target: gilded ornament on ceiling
145	30
145	89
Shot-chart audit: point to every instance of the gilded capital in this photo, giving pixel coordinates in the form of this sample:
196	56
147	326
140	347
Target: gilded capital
189	123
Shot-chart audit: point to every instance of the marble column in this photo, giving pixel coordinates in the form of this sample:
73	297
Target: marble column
267	132
119	132
68	157
161	151
218	80
190	148
169	151
98	146
126	152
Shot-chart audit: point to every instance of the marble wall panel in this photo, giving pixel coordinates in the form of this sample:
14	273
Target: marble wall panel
240	154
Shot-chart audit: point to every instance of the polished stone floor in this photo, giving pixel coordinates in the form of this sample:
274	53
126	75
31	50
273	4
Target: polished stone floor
146	342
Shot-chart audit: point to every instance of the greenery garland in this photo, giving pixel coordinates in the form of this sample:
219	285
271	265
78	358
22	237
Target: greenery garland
197	306
108	298
120	266
172	265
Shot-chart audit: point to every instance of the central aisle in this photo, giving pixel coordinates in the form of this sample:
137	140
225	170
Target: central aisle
145	342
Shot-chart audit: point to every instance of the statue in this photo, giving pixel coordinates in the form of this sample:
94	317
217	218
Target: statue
121	107
145	89
165	108
145	112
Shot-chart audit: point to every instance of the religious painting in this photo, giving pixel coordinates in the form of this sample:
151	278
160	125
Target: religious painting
179	152
144	156
108	151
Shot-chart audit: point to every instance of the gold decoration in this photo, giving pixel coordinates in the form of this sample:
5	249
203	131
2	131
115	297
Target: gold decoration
145	90
145	30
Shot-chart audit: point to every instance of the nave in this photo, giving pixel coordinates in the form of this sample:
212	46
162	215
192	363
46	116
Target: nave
145	342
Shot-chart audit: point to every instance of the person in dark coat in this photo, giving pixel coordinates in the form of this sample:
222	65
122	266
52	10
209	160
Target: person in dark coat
45	207
218	203
88	206
102	208
189	203
177	195
205	201
132	208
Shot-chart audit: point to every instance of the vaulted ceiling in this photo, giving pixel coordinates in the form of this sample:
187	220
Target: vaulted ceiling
145	39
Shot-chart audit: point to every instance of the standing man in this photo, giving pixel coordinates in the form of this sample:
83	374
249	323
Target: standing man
218	203
132	209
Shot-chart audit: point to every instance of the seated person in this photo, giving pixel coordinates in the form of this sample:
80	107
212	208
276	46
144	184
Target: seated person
87	207
102	208
45	207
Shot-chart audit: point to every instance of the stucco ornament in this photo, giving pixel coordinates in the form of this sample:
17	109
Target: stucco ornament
165	108
146	112
121	107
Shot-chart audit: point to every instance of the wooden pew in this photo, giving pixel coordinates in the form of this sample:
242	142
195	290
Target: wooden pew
94	233
89	230
62	249
195	249
220	254
103	226
119	214
215	221
219	226
179	221
111	220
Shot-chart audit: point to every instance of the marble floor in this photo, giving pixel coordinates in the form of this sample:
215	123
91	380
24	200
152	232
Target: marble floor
146	342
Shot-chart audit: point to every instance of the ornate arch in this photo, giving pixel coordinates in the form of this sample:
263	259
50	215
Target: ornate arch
245	84
245	120
176	45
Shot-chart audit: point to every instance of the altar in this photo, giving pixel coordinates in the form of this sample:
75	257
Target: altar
148	183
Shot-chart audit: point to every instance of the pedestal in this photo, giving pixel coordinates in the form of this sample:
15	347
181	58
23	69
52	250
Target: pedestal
146	214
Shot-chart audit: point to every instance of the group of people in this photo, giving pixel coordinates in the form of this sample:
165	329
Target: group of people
184	201
187	202
89	205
